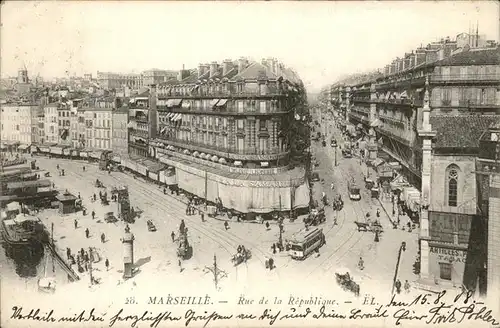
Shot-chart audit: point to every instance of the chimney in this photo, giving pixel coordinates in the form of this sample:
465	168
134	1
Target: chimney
213	69
201	70
226	66
241	65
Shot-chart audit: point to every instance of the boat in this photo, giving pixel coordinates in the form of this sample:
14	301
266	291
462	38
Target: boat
47	284
22	230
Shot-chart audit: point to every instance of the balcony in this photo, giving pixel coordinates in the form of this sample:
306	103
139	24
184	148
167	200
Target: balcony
400	102
139	133
139	119
466	78
222	94
226	152
221	111
402	83
407	137
139	145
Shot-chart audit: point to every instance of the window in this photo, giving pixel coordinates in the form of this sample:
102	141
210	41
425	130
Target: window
240	124
240	144
452	186
225	123
17	127
240	106
263	125
445	271
262	108
263	144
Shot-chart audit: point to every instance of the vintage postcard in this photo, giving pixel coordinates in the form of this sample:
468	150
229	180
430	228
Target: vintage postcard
250	164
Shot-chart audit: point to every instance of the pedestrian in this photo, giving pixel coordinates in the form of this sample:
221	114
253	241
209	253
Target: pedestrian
79	196
76	223
226	225
103	238
267	226
84	168
87	232
332	186
378	213
93	214
82	252
335	220
87	259
407	287
173	236
180	265
68	252
202	216
361	263
85	266
274	248
271	264
53	185
187	209
398	286
106	263
182	226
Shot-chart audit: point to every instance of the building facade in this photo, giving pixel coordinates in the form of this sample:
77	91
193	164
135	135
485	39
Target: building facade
17	122
488	177
139	124
64	121
427	113
119	144
230	120
98	125
156	76
108	81
51	124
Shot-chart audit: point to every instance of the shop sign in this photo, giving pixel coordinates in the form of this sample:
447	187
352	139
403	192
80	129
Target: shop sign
449	255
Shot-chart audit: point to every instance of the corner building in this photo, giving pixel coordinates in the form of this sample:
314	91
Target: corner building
224	129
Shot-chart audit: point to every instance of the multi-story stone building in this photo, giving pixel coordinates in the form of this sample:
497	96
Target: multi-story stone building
427	113
108	81
139	127
98	124
156	76
119	144
231	122
488	177
64	121
51	124
17	120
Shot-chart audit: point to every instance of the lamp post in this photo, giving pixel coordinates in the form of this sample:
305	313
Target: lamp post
335	150
402	248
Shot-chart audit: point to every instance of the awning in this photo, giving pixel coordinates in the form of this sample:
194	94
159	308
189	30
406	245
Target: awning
214	158
29	184
202	155
208	156
176	102
221	102
196	153
238	163
130	124
23	147
213	102
177	117
222	160
186	152
186	104
264	164
375	123
403	94
163	130
377	162
169	103
419	90
388	95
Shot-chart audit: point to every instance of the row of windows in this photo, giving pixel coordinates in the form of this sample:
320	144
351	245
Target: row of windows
98	134
463	96
224	87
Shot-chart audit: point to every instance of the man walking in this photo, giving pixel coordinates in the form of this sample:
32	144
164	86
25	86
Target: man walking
107	264
87	232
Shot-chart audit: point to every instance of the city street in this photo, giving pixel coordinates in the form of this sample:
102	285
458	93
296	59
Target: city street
155	253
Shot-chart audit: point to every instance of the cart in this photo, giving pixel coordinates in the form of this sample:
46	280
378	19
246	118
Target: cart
242	256
344	279
151	226
316	217
110	217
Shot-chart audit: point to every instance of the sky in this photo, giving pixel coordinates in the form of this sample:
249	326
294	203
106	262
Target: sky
321	41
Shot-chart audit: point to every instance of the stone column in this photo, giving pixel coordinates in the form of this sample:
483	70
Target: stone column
427	134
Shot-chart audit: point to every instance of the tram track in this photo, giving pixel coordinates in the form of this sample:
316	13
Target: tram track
228	241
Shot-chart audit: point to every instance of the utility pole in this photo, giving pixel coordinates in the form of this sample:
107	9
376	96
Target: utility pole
335	149
218	274
52	244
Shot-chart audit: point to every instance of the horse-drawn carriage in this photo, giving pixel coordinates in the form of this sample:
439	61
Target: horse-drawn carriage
338	203
344	279
99	184
242	255
110	218
373	226
316	217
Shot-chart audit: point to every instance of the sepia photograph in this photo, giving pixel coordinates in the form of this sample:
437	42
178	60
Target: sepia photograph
249	164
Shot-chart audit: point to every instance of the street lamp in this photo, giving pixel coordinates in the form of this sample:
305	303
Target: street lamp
335	150
402	248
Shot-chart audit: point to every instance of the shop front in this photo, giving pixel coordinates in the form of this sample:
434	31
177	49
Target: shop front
447	263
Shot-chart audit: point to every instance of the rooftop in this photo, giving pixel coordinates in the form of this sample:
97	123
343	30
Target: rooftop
461	131
488	56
